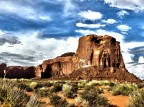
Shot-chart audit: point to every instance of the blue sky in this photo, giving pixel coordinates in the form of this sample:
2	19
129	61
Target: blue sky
34	30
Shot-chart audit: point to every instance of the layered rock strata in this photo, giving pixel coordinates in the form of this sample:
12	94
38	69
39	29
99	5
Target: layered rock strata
97	57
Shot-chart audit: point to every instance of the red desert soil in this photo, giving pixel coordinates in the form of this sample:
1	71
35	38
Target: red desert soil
118	101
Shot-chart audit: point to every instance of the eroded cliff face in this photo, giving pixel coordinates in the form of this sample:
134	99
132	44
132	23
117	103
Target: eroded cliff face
97	57
101	51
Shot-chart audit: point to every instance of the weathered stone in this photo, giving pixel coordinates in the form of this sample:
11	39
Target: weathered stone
97	57
20	72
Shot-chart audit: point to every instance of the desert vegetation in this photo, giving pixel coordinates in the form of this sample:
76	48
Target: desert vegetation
67	93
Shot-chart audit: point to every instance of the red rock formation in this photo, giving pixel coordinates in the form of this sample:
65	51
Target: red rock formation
97	57
20	72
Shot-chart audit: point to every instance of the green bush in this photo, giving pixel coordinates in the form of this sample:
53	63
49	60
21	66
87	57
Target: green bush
69	90
98	90
33	85
136	99
91	98
45	84
23	86
56	88
124	89
43	92
82	83
57	101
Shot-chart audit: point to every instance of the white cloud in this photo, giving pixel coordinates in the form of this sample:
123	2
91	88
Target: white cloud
7	38
135	5
85	32
109	21
123	27
69	7
37	48
89	25
119	37
90	15
141	59
21	10
122	13
137	69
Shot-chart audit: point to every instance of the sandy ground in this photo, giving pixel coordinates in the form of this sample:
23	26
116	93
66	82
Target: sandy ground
118	101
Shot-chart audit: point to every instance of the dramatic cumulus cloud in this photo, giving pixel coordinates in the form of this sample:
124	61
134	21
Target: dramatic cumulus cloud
124	27
90	15
110	21
122	13
22	10
6	38
141	59
89	25
34	50
135	5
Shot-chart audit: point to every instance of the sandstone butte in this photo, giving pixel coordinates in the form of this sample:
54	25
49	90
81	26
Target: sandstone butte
97	57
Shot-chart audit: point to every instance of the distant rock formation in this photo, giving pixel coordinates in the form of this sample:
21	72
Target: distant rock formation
97	57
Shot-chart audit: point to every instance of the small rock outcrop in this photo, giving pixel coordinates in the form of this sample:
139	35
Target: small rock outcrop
97	57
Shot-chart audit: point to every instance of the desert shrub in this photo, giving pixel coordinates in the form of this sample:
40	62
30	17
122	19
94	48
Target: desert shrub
33	85
45	84
69	90
92	98
56	88
98	90
11	96
74	87
15	98
34	101
82	83
124	89
43	92
3	94
23	86
58	101
140	85
136	99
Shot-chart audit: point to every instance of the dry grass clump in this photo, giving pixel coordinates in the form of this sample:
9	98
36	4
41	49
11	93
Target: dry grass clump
124	89
90	97
136	99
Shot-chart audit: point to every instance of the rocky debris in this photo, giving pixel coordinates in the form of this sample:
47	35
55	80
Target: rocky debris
97	57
